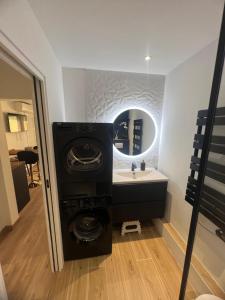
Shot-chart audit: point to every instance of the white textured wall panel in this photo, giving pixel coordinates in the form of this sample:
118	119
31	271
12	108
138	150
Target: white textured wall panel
106	93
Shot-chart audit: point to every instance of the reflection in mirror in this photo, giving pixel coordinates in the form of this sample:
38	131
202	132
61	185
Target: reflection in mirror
134	132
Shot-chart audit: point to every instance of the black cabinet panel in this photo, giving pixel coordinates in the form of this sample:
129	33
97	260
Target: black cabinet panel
138	211
127	193
142	201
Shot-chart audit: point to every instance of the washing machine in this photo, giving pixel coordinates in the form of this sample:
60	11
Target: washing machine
83	155
86	227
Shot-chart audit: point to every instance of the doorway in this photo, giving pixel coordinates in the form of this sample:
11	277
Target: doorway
26	234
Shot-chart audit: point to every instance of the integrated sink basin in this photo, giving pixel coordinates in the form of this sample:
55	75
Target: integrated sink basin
127	176
134	174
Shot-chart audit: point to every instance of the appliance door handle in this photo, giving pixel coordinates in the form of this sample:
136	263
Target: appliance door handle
85	162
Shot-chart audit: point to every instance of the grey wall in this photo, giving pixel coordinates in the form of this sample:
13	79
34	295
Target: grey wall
98	96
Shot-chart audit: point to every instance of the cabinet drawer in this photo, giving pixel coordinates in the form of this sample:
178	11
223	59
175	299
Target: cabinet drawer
134	211
141	192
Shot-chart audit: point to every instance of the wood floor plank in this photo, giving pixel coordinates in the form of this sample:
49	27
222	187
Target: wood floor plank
154	287
97	284
37	287
114	279
98	261
165	263
139	246
79	282
131	278
140	267
72	282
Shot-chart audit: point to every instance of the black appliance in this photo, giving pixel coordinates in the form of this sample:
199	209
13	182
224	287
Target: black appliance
86	227
83	155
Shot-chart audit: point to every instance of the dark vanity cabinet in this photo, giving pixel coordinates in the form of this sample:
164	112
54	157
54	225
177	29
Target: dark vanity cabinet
138	201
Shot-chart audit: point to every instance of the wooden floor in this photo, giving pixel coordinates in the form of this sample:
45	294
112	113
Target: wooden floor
140	267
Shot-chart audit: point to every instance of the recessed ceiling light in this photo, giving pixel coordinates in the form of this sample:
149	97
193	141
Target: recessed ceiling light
147	58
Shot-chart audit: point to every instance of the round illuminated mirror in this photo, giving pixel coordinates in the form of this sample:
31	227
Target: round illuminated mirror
134	132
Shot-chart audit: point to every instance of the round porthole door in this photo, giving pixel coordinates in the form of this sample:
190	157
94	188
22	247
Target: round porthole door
88	226
84	155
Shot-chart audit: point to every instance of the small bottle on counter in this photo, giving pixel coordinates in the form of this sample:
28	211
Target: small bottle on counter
143	165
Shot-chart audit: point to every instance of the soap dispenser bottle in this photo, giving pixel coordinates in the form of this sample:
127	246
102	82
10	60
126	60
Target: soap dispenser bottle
143	165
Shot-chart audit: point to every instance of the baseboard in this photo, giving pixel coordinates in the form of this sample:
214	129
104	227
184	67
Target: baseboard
200	279
7	229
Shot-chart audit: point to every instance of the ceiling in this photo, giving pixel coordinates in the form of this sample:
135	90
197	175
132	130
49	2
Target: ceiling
118	34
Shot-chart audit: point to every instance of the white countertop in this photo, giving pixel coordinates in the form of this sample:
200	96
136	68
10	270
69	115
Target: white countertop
121	176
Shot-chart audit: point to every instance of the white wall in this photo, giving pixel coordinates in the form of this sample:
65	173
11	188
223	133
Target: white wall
19	24
187	90
23	36
74	94
103	94
8	205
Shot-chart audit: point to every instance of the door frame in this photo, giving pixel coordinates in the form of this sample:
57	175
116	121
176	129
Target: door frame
47	163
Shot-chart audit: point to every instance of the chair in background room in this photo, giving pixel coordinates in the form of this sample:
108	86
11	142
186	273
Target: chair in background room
35	149
30	158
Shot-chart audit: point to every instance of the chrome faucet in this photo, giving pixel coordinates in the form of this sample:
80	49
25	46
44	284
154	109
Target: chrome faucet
133	166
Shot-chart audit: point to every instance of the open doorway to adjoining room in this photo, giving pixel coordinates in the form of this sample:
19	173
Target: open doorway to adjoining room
25	226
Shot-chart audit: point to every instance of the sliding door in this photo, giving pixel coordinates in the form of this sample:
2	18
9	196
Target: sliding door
44	158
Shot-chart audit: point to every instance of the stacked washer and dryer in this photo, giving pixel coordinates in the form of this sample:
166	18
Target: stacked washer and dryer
83	156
